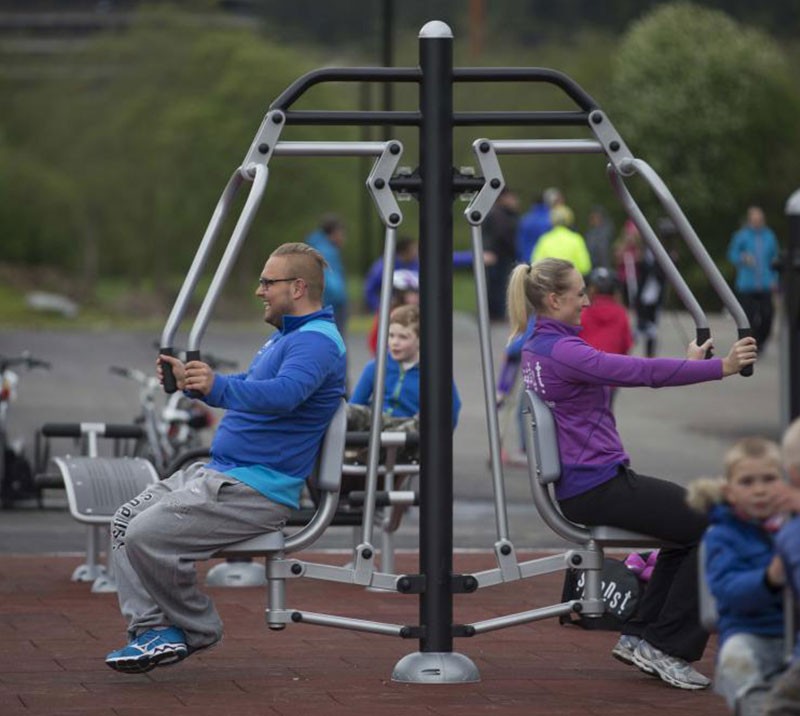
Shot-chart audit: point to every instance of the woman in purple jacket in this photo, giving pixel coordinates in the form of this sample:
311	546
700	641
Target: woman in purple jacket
597	485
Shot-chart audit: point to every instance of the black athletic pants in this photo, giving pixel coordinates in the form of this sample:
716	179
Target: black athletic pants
668	615
757	305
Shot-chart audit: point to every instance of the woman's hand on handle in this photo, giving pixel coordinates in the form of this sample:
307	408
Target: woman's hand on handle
742	353
178	370
695	352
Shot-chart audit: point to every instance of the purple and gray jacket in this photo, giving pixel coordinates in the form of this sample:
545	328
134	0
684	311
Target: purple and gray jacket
574	380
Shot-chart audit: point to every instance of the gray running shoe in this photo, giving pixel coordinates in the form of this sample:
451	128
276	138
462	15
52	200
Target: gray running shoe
670	669
624	648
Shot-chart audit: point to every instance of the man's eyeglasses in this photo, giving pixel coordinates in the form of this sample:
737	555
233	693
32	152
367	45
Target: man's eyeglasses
267	282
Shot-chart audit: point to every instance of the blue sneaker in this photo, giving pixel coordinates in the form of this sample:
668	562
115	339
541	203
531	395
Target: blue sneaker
156	647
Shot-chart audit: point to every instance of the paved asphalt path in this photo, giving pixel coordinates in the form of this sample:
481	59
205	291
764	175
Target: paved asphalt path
679	433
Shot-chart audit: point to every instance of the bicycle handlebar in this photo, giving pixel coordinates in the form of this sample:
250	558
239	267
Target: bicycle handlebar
76	430
25	359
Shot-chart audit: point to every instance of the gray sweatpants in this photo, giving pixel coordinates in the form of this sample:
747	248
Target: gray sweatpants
157	537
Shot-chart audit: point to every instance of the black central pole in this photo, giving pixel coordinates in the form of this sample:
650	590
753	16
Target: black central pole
436	662
436	338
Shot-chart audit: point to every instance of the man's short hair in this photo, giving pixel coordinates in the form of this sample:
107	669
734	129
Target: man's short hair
306	263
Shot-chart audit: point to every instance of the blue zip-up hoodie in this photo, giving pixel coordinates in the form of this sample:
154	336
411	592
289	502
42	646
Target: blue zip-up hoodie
738	553
763	247
401	392
280	408
574	380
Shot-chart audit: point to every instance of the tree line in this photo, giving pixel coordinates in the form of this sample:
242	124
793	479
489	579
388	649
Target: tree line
112	160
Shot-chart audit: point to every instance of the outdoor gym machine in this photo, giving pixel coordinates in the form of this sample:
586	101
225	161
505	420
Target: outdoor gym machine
435	183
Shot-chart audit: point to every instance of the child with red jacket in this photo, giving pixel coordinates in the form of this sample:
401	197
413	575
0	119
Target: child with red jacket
605	322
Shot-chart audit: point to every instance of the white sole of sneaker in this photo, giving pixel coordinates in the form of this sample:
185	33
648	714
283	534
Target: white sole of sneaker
643	665
626	657
666	678
141	665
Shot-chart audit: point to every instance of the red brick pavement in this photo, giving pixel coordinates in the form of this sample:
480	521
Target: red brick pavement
55	633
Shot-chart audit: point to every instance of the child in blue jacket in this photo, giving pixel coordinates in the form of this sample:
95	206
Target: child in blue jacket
401	392
744	573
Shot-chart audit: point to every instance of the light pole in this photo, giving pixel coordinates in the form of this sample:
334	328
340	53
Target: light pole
790	347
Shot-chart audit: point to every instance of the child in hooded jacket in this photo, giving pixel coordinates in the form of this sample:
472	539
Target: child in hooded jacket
744	573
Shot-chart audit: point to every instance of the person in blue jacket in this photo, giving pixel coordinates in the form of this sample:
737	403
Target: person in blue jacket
753	251
329	240
406	258
264	449
401	391
744	572
784	697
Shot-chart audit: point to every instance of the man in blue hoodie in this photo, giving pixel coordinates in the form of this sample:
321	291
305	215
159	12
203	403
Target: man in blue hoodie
263	451
753	250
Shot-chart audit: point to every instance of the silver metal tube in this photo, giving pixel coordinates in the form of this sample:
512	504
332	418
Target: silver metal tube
352	624
314	529
685	229
229	257
547	146
199	261
487	369
378	386
670	270
329	149
522	617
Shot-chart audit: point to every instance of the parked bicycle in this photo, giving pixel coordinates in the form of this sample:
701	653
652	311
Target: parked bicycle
175	429
16	475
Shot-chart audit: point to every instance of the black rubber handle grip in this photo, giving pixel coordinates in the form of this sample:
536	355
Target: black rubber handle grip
703	334
61	430
747	371
124	431
170	384
190	356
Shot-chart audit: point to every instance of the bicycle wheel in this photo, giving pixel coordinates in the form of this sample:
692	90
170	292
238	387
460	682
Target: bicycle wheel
186	458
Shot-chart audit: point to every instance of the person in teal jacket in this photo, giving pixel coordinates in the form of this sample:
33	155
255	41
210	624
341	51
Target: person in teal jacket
264	449
753	251
329	239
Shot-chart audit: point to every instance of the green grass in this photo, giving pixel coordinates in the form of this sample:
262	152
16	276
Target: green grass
111	308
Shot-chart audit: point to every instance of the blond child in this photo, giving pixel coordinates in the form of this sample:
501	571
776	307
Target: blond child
401	394
743	570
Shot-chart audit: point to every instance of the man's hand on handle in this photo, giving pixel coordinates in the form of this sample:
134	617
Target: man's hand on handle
194	375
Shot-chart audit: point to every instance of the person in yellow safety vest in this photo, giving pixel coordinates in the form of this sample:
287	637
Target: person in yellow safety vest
561	242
